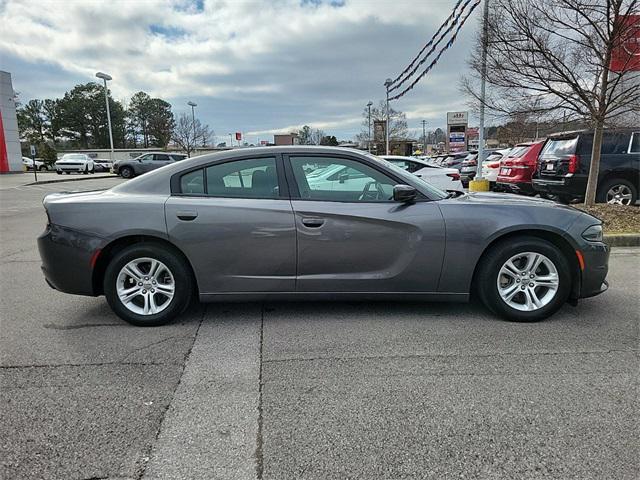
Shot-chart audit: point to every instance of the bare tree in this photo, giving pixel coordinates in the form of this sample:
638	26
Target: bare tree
553	57
188	135
398	129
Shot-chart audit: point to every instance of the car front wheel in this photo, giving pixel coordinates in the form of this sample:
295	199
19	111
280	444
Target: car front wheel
525	280
147	285
126	172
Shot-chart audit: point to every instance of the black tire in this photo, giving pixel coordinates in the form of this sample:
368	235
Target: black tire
127	172
601	196
182	281
490	264
86	169
58	172
566	199
42	168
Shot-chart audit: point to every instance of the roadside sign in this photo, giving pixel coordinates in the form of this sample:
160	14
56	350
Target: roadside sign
33	150
33	161
238	136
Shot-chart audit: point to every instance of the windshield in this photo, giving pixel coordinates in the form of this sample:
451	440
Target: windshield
73	156
518	151
434	192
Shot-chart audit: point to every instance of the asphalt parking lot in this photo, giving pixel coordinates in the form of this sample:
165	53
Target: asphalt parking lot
308	390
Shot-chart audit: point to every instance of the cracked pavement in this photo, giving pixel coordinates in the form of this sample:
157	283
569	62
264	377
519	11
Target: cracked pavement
309	390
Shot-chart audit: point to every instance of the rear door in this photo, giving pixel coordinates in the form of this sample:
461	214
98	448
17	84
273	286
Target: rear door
358	239
235	223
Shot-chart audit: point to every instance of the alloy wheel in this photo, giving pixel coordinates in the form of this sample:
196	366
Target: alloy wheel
619	195
145	286
528	281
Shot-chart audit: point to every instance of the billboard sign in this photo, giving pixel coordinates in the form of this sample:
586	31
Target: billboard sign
457	118
379	129
238	136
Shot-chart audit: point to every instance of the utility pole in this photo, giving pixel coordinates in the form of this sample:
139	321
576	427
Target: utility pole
369	122
479	183
387	84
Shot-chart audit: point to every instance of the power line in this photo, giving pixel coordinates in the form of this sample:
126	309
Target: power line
412	69
435	60
429	43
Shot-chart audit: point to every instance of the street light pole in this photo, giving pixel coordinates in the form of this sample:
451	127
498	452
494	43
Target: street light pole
106	77
483	89
387	84
369	122
424	136
231	139
193	106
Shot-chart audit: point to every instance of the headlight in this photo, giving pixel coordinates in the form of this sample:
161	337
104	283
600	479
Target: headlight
593	233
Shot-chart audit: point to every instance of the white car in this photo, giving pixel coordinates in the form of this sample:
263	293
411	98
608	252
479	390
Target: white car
75	162
28	163
439	177
491	166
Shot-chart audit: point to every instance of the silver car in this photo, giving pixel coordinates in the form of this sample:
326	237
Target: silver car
145	163
282	223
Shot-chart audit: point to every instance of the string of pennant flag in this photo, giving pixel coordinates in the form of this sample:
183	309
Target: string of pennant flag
459	20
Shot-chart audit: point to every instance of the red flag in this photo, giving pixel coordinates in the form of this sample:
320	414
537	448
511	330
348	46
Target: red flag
238	136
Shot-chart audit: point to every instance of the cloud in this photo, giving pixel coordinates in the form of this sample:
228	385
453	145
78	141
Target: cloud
260	67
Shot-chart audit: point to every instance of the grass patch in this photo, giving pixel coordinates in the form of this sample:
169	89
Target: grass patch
615	218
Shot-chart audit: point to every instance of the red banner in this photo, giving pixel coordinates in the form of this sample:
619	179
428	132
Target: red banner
238	136
626	57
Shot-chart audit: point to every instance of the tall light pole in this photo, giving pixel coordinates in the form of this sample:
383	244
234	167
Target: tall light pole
106	77
193	106
483	89
424	136
387	84
231	139
369	122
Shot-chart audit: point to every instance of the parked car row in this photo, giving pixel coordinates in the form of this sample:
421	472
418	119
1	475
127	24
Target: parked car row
40	165
558	167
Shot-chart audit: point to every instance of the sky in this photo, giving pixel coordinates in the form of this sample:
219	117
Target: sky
258	67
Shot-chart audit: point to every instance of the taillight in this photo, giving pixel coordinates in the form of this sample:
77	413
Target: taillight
493	165
574	163
454	176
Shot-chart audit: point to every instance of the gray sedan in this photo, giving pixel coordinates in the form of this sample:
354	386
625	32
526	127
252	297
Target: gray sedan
294	223
145	163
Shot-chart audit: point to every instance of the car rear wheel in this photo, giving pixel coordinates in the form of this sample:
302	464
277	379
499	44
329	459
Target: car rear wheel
525	280
618	192
147	285
126	172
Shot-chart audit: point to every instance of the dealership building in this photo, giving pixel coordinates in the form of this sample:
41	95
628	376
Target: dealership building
10	154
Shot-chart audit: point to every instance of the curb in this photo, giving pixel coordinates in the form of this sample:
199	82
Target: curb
623	240
62	180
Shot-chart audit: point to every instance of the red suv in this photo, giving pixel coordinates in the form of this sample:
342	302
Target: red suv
516	169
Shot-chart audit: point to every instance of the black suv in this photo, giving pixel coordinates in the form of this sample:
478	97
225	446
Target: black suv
563	166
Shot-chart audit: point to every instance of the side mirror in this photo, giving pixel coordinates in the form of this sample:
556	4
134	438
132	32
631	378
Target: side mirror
404	193
343	178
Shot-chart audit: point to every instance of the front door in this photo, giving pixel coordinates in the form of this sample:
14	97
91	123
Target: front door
236	225
352	236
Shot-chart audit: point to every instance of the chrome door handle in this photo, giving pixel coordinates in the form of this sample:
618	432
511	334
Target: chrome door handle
186	215
313	222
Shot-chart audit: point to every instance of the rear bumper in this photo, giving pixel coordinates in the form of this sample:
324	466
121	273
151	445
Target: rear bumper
515	186
66	259
573	186
596	267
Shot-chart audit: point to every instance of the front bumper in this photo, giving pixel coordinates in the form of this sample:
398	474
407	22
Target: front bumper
596	267
66	259
70	168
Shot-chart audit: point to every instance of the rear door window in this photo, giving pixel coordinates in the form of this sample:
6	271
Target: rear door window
560	147
634	145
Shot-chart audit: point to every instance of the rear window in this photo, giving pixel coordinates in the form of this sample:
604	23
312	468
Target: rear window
517	152
560	147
